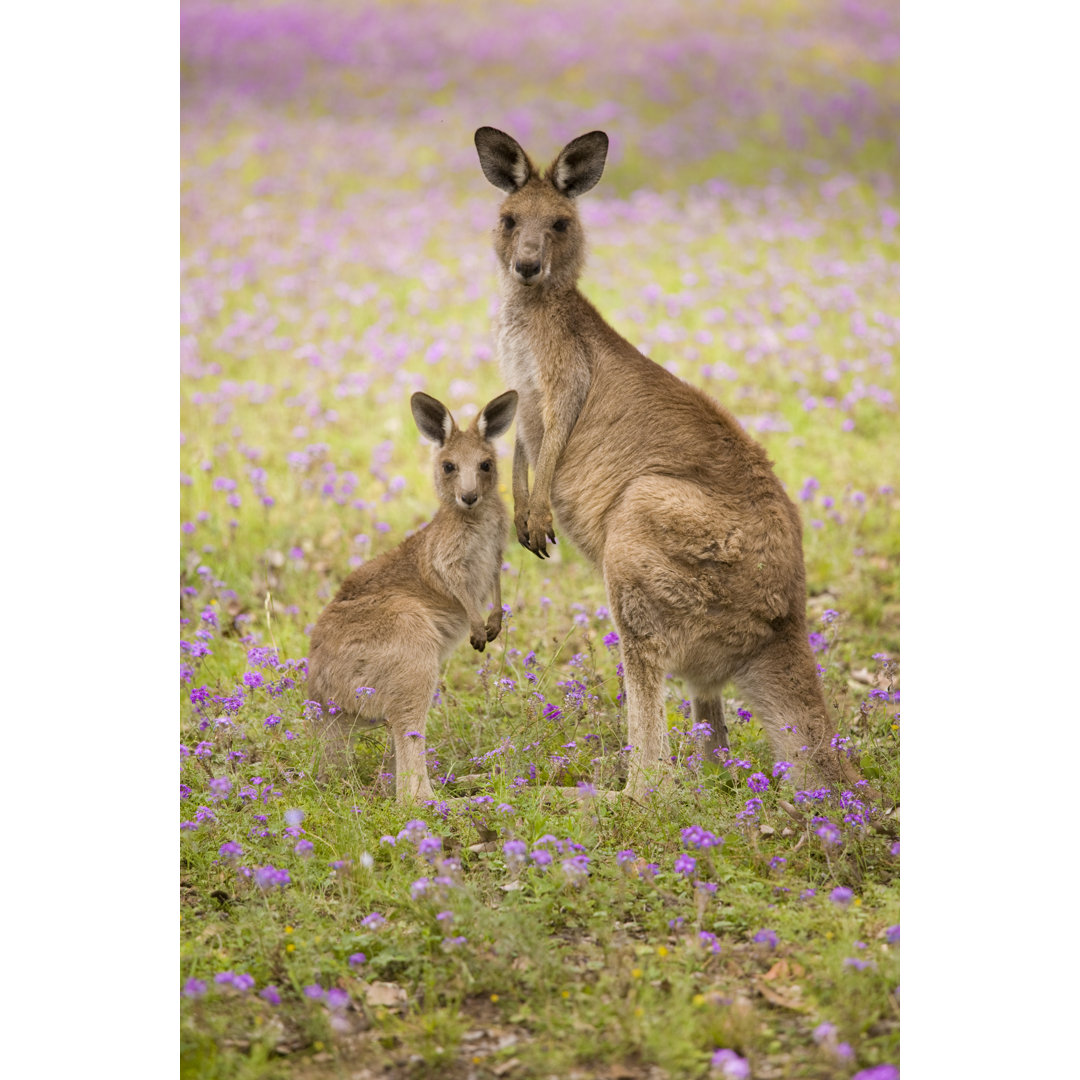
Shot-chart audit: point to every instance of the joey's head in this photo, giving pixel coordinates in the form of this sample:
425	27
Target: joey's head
539	239
465	465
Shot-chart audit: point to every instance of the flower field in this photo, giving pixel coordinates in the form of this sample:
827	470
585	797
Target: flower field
336	257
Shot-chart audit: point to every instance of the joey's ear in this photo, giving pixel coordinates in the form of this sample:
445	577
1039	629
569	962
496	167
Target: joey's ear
432	418
497	415
580	164
505	164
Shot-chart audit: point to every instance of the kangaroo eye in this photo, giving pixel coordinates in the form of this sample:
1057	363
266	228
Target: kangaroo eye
485	466
508	222
561	225
448	467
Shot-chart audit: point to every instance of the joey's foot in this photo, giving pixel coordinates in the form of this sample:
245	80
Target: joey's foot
478	637
494	625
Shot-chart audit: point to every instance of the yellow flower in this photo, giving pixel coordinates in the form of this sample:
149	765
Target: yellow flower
699	999
857	901
494	997
636	973
662	951
288	929
566	993
639	1011
290	947
828	935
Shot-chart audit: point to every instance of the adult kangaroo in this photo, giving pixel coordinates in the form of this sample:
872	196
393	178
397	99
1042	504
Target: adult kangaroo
658	485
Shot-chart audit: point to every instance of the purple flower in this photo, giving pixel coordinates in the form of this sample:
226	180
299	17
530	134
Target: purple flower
304	849
767	937
194	988
781	769
357	959
696	836
220	787
372	921
878	1072
757	782
708	941
857	963
730	1065
266	877
576	869
685	864
514	852
230	850
270	994
824	1032
892	935
429	847
337	999
841	896
623	857
829	832
314	991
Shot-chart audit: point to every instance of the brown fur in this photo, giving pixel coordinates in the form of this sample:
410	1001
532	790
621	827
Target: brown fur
699	545
396	619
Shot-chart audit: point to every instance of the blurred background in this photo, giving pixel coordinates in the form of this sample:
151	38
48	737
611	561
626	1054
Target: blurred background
336	256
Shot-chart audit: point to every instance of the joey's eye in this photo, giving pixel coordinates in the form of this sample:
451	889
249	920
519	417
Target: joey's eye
508	222
485	466
561	225
448	467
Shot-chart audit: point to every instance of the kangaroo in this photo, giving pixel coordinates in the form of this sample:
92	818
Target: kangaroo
377	646
658	485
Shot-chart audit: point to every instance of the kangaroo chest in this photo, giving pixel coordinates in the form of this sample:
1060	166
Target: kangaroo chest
521	371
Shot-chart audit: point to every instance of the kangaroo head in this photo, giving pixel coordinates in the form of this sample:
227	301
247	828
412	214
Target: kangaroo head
539	238
465	469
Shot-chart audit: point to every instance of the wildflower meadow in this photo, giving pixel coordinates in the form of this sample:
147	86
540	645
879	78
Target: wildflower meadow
336	257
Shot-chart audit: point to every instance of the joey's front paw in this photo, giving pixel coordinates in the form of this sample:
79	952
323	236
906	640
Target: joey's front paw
494	625
478	637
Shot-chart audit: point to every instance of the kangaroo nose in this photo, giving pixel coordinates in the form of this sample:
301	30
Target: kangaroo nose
527	269
469	497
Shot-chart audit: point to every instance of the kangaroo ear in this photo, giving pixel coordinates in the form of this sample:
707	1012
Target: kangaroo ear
497	415
432	418
505	164
580	164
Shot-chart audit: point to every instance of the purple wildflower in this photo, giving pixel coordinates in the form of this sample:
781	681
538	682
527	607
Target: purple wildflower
841	896
194	988
685	864
730	1065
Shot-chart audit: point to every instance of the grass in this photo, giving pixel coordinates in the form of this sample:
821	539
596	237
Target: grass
336	258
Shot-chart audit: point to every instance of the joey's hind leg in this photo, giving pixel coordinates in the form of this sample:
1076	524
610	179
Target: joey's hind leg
710	710
408	728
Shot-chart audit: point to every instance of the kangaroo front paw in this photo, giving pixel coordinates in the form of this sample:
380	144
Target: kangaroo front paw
478	637
494	625
541	529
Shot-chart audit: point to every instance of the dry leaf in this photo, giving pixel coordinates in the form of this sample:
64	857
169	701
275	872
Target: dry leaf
787	1000
505	1067
385	993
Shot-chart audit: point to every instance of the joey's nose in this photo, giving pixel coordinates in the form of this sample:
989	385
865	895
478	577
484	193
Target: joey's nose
469	497
527	269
